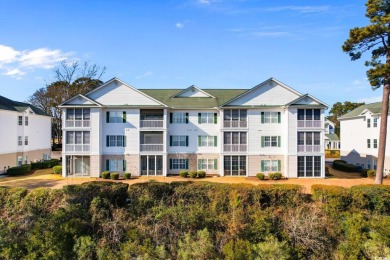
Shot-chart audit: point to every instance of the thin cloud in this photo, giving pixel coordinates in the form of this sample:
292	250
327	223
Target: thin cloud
145	75
179	25
300	9
15	62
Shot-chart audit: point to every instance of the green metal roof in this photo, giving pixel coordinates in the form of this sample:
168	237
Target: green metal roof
8	104
375	108
166	96
332	137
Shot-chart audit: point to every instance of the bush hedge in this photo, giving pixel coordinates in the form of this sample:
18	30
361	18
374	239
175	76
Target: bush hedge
371	173
127	175
18	170
45	164
57	169
372	197
183	173
260	176
335	198
106	175
201	174
114	175
342	165
275	175
363	173
193	174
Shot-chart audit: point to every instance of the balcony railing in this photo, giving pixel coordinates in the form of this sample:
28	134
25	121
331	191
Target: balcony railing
234	147
77	123
77	148
309	148
151	123
235	124
309	123
151	147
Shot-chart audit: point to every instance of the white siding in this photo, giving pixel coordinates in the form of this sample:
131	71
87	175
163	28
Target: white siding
9	131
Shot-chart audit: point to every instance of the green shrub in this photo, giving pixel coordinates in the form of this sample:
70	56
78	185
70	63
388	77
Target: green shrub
127	175
183	173
335	198
371	197
193	174
114	175
260	176
45	164
57	169
106	175
275	175
201	174
19	170
344	166
371	173
363	173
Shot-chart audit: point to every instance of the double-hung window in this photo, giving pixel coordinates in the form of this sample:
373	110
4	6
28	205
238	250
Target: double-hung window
178	140
116	141
207	164
20	120
116	117
178	164
26	120
26	140
207	140
178	118
270	141
270	117
207	118
115	165
20	140
270	165
368	123
375	122
375	143
368	143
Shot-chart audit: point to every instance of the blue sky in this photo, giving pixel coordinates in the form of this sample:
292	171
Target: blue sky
175	44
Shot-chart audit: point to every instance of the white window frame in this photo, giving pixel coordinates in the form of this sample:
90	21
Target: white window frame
26	140
116	140
178	164
206	141
20	120
271	141
20	140
207	118
115	165
115	117
20	160
271	117
178	118
271	165
206	164
179	140
375	122
26	120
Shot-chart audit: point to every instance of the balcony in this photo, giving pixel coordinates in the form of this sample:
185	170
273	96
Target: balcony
235	124
151	123
309	123
78	148
309	148
151	147
77	123
234	147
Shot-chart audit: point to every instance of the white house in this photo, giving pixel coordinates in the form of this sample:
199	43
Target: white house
359	132
332	141
25	134
229	132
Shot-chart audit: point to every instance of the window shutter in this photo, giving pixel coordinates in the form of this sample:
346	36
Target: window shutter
124	116
199	118
279	118
170	140
279	165
170	164
187	117
199	164
186	140
215	164
124	141
199	140
262	141
262	165
262	117
215	118
170	118
215	140
107	165
186	164
279	139
107	141
124	165
108	117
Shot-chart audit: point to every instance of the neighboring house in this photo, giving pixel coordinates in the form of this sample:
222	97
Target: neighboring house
332	141
228	132
25	134
360	136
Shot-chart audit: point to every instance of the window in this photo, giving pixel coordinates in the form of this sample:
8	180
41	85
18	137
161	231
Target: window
77	137
207	140
116	165
270	165
178	140
270	141
178	164
115	141
309	166
234	115
235	138
25	159
270	117
368	143
20	120
26	120
178	118
309	114
375	122
26	140
234	165
207	118
115	117
20	140
20	160
368	122
207	164
375	143
78	114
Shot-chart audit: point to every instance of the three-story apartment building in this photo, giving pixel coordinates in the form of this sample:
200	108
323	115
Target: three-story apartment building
25	134
228	132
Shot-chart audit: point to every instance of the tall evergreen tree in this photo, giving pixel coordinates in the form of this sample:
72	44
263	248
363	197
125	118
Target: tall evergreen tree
375	38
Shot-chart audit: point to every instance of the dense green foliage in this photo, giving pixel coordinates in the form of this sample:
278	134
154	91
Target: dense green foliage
45	164
274	175
183	173
339	109
114	175
57	169
106	175
343	166
260	176
186	220
19	170
127	175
